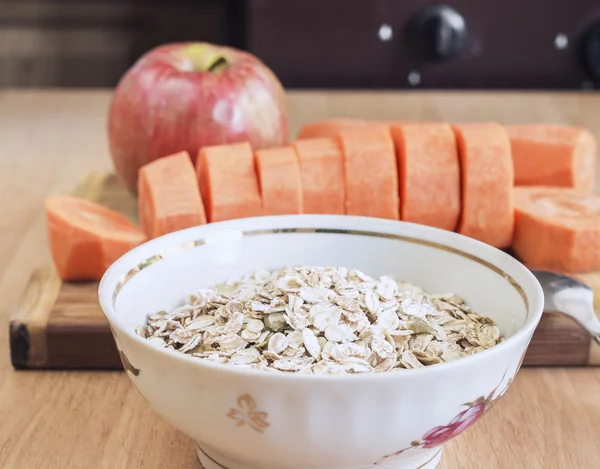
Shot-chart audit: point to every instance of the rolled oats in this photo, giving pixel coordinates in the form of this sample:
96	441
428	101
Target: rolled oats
322	320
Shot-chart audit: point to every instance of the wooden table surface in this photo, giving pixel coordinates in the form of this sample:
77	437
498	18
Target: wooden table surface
550	418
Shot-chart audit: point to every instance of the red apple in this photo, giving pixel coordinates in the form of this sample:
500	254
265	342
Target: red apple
184	96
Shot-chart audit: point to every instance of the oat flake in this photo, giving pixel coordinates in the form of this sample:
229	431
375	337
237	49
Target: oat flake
322	320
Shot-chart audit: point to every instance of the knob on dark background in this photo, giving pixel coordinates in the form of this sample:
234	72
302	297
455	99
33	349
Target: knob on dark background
591	50
438	33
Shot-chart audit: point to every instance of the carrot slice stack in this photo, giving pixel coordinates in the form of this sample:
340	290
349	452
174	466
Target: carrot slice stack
329	127
370	172
486	183
557	228
228	182
332	127
85	238
322	172
429	174
169	197
553	155
279	179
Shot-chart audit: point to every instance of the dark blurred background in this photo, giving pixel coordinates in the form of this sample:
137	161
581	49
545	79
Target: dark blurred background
464	44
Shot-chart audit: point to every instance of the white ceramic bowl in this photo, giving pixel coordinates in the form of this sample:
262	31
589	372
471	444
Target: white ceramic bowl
247	419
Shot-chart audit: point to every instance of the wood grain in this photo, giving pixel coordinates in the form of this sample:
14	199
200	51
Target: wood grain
549	419
28	324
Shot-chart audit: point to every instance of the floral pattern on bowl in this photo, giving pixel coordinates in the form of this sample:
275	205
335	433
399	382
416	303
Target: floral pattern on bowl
127	364
246	413
441	434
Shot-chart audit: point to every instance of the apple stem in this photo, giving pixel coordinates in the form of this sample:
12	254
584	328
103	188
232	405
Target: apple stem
219	63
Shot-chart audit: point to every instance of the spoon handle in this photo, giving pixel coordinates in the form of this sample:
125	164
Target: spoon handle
592	324
578	303
589	321
594	333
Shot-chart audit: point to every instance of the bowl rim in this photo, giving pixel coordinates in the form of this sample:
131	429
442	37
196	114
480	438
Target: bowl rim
125	266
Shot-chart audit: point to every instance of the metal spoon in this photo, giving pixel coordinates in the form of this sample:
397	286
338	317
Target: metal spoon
571	297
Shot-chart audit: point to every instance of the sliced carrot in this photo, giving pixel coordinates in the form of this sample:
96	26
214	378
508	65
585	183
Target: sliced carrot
486	183
553	155
332	127
169	196
85	238
228	182
370	172
328	128
279	180
557	228
322	172
429	174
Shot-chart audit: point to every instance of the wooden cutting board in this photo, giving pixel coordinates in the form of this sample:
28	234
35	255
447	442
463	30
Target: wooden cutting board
60	325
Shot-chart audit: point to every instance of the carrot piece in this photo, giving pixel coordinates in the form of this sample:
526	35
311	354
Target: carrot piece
557	228
85	238
279	180
168	195
370	172
328	128
332	127
228	182
322	172
429	174
486	183
553	155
